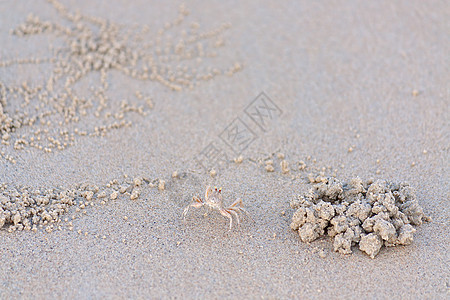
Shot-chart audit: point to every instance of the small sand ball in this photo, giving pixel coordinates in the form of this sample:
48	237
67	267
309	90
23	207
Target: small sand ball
175	174
135	194
342	244
371	244
239	159
161	185
284	166
385	230
280	156
322	253
123	189
2	220
6	136
269	168
114	195
17	219
301	165
405	237
137	181
89	195
101	195
213	173
309	232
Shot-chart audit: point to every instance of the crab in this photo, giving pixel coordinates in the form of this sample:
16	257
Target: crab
213	200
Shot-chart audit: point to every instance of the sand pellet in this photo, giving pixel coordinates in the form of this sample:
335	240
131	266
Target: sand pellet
135	194
113	195
269	168
239	159
101	195
284	166
302	165
89	195
137	181
123	189
161	185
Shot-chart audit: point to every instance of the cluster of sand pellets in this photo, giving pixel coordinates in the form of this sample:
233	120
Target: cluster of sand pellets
369	214
26	208
278	163
178	56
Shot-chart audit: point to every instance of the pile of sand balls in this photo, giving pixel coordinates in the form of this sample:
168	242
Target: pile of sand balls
28	209
32	209
369	214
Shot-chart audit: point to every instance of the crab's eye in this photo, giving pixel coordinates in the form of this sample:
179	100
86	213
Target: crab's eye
220	190
215	188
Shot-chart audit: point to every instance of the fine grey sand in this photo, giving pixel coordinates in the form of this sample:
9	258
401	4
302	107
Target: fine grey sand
101	102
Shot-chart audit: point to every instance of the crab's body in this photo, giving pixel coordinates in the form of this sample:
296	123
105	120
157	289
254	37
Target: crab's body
214	200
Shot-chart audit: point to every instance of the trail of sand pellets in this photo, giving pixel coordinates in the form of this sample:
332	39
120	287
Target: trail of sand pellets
26	208
32	209
179	56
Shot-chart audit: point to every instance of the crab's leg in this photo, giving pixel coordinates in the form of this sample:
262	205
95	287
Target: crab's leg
196	202
225	213
239	205
234	214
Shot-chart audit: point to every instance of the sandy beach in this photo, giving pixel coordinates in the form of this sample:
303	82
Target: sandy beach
114	114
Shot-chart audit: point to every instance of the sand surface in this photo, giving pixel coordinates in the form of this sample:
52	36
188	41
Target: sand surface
370	76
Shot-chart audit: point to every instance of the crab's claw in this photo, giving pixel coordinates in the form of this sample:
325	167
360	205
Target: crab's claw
208	191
